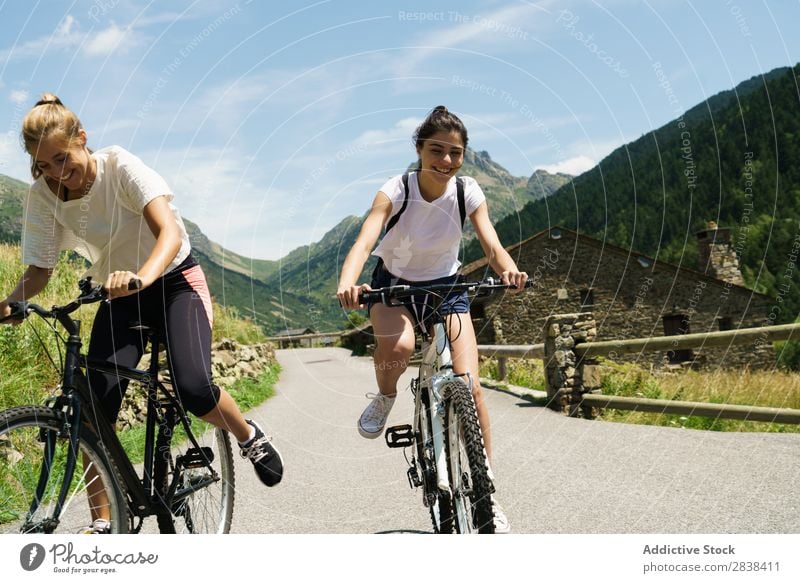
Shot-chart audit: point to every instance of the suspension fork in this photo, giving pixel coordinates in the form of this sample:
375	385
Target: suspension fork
439	368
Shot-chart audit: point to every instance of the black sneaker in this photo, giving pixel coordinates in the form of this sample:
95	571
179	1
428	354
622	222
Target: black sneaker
266	459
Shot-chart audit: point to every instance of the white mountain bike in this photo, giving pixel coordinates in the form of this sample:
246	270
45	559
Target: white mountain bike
448	459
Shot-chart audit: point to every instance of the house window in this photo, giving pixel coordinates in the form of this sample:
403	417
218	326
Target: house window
676	325
587	299
725	323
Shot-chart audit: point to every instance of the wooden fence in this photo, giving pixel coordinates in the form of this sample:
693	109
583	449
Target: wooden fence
568	368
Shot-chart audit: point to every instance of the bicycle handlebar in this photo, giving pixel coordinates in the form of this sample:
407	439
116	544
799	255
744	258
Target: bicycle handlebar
90	293
385	294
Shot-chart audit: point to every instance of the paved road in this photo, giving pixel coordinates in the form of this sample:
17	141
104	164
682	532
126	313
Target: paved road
555	474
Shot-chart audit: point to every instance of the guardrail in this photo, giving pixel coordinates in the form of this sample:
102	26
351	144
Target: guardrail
284	341
573	378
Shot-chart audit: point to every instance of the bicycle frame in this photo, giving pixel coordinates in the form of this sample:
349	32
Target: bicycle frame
144	499
169	479
449	445
74	393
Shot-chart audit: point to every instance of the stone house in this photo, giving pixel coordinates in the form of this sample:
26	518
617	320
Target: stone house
288	338
631	296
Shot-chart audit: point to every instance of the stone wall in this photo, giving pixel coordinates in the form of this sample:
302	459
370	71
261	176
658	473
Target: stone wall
630	296
230	361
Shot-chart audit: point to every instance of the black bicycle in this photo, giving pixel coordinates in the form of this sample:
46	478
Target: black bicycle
448	459
60	459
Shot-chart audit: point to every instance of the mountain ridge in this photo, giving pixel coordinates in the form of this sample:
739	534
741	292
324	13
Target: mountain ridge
298	290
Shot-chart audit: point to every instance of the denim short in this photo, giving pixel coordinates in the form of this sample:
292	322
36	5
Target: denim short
421	305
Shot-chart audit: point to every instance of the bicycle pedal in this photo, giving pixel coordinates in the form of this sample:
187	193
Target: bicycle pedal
196	457
399	436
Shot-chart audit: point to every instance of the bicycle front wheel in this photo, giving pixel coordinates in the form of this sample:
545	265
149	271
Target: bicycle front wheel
201	481
33	460
438	502
466	461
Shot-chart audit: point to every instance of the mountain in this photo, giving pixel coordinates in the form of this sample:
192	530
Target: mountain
732	159
260	269
313	270
12	195
298	290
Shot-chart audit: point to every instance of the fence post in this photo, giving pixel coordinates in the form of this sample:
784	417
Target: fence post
564	374
502	369
499	338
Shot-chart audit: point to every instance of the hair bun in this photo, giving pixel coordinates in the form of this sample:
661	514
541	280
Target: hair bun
49	99
440	109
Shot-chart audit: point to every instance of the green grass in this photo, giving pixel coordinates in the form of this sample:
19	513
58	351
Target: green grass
27	376
773	388
520	372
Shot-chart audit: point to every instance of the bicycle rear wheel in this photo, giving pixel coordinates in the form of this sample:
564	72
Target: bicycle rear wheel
203	482
466	461
30	443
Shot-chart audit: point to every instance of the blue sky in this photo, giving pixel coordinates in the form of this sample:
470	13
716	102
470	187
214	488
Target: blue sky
273	121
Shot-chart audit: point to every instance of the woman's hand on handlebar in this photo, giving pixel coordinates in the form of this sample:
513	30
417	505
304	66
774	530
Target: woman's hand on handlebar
348	295
122	283
515	278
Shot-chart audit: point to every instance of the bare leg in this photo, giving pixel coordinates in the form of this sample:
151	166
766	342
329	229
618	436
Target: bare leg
227	416
394	337
95	491
465	360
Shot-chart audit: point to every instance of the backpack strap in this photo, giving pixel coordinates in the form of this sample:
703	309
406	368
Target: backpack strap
393	220
462	206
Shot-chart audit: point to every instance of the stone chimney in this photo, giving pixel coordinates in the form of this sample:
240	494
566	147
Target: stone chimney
716	255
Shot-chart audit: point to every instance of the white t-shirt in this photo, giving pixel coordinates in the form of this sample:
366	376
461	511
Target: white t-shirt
106	226
425	241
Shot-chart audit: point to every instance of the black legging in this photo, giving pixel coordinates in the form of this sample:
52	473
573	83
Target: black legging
178	305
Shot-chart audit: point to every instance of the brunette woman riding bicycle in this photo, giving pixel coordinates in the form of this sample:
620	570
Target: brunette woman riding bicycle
118	214
423	214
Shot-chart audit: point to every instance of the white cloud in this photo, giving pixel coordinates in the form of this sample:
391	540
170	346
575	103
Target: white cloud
510	26
68	36
573	166
14	161
108	41
401	131
18	96
65	27
65	36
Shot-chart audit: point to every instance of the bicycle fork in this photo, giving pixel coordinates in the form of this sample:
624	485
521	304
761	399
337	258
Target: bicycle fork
428	431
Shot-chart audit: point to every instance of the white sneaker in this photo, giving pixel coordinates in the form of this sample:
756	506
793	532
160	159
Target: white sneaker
501	524
372	420
98	526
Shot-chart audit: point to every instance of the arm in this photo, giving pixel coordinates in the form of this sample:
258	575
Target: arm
161	221
31	283
358	255
498	257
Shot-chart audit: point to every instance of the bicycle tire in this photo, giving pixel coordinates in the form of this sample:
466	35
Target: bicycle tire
208	509
466	462
25	433
441	510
